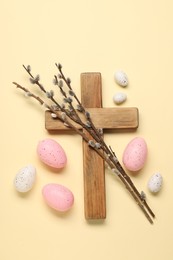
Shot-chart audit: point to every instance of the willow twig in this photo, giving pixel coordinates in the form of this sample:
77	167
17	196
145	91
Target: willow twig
68	115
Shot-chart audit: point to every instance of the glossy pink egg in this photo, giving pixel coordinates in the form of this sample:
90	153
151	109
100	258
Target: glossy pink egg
58	197
51	153
135	154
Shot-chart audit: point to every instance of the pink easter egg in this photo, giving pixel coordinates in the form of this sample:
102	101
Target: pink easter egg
135	154
51	153
58	197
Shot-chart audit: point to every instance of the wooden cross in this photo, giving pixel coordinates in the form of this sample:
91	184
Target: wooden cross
93	164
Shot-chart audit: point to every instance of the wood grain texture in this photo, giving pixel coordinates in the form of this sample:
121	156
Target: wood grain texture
106	118
93	164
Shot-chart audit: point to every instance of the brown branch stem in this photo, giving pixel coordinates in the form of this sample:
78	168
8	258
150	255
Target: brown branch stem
68	116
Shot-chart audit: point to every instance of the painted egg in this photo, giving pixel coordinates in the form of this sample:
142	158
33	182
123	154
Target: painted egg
119	98
155	183
121	78
135	154
25	178
51	153
58	197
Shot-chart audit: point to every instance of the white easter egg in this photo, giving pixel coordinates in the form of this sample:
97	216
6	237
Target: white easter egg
119	98
25	178
155	183
121	78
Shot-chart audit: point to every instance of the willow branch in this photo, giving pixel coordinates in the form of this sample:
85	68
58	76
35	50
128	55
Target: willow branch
69	116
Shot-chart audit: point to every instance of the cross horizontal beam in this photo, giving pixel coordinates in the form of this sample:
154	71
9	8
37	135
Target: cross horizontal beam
106	118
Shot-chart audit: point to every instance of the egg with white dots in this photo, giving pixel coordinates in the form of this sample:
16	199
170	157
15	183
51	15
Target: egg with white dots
155	183
119	98
25	178
121	78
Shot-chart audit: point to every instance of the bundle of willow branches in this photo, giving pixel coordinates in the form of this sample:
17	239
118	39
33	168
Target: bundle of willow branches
69	113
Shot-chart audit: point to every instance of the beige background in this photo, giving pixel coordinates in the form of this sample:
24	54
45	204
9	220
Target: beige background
86	35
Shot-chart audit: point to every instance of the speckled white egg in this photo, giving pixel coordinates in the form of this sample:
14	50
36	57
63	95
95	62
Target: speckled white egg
119	98
121	78
25	178
155	183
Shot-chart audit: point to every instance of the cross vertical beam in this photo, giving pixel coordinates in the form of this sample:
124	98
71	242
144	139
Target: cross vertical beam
93	164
